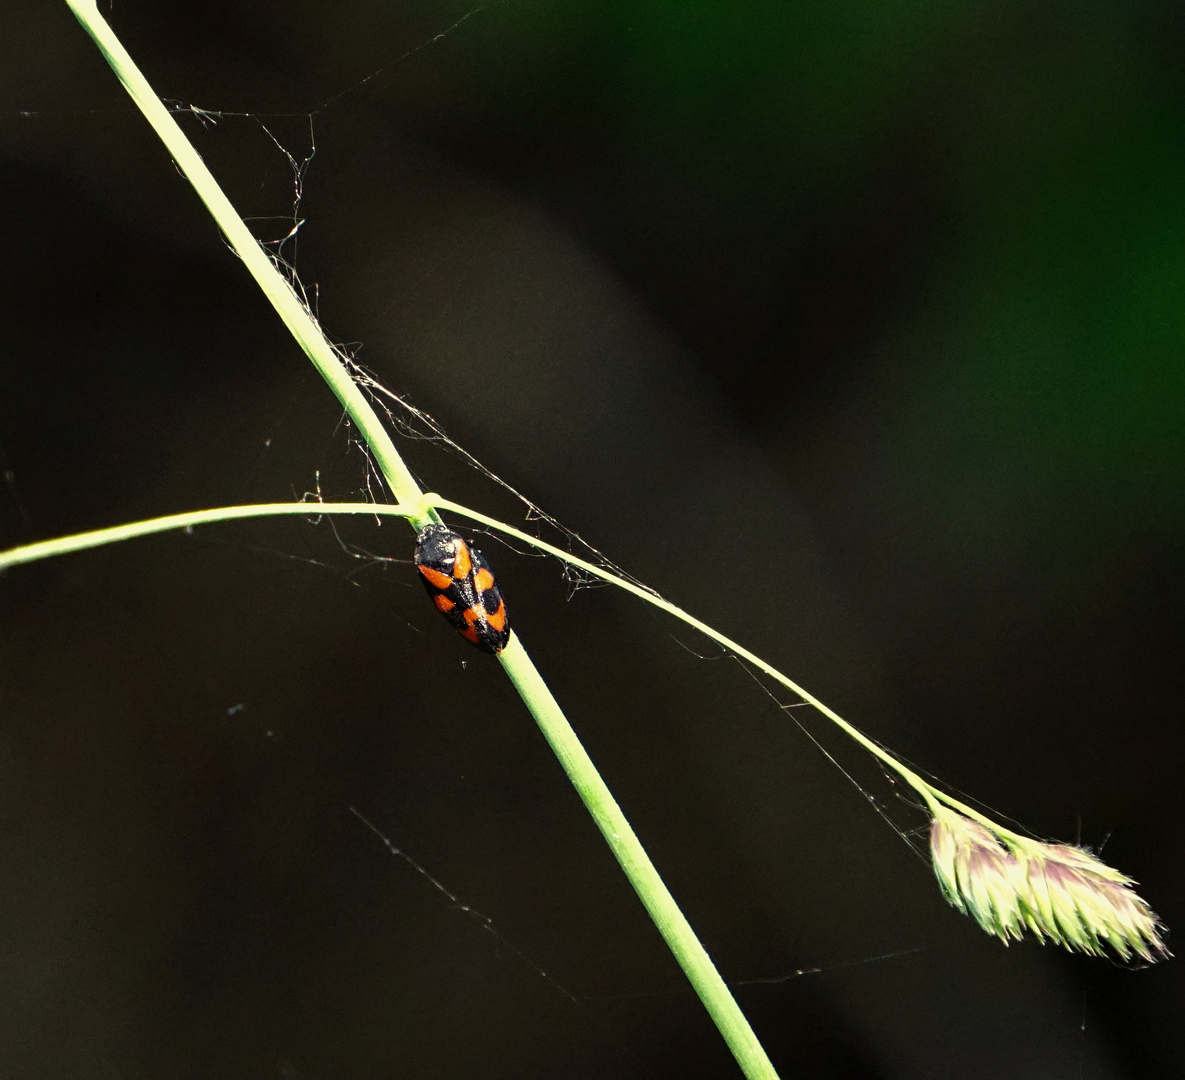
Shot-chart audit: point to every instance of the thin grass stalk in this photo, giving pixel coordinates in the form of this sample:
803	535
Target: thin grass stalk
1007	882
626	847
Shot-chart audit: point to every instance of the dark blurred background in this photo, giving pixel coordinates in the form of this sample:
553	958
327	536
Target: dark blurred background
856	329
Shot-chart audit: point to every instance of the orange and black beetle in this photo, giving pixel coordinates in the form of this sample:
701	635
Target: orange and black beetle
462	587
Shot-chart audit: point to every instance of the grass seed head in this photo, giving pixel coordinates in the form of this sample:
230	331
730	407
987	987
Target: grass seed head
1058	893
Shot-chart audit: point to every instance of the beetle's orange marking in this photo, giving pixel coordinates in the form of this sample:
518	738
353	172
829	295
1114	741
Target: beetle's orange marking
462	565
483	579
474	614
497	619
443	603
470	634
435	577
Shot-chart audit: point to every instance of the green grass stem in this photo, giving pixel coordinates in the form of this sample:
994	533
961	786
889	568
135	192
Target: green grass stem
64	545
699	969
